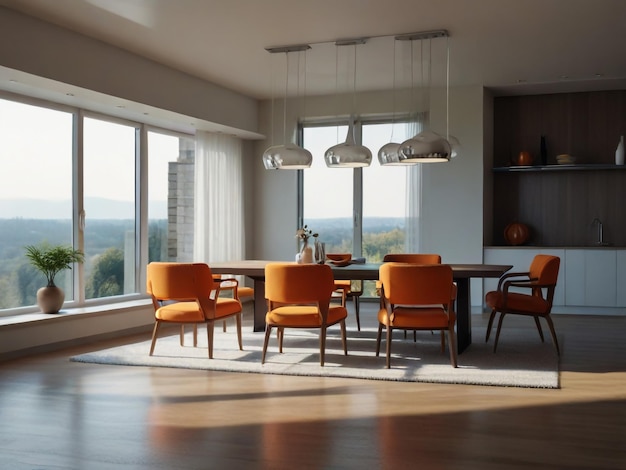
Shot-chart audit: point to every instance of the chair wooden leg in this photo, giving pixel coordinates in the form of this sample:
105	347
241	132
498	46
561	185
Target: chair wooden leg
280	335
356	310
553	333
378	337
224	327
209	330
539	328
490	324
495	344
343	337
238	319
388	345
182	335
268	330
154	336
322	345
451	346
195	335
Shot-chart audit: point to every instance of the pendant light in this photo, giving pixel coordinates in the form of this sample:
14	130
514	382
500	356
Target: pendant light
427	146
288	156
389	153
348	154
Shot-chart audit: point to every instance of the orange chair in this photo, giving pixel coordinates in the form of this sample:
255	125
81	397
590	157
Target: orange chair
543	274
299	296
351	290
417	297
413	258
186	293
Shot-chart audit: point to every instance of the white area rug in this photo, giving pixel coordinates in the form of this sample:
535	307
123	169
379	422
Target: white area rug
521	360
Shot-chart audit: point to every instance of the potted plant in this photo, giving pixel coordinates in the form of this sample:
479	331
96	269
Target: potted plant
50	260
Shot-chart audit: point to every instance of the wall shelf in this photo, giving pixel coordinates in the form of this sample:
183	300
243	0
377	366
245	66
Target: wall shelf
573	167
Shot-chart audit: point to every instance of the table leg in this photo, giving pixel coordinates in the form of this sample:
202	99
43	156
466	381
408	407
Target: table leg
463	315
259	305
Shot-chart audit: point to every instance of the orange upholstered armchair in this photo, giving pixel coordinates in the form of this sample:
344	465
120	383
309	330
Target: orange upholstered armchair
186	293
299	296
542	276
417	297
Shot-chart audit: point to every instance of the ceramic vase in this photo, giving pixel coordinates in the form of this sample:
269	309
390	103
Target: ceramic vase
619	152
306	255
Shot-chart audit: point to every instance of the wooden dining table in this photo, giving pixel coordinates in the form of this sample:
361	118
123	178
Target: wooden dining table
462	273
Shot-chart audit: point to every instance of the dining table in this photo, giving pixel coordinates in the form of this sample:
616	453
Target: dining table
462	273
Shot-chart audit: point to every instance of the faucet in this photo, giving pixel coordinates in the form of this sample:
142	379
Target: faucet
600	234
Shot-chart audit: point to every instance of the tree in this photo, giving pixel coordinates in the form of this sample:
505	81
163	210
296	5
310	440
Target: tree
107	277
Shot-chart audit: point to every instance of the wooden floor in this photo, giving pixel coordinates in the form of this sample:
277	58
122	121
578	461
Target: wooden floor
57	414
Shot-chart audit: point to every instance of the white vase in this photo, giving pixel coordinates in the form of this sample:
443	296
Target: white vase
619	152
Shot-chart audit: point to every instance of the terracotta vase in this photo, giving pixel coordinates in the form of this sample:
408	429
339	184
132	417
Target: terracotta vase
50	299
516	233
524	159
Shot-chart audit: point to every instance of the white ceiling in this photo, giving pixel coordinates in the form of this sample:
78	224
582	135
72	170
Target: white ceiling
522	46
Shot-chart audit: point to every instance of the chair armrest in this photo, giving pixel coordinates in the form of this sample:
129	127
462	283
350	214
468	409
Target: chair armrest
506	276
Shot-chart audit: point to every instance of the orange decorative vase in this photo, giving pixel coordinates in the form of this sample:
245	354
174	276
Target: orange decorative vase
516	234
524	159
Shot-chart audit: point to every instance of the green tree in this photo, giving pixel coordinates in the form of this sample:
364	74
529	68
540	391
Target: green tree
107	277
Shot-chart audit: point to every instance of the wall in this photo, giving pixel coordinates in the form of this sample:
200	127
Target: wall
48	51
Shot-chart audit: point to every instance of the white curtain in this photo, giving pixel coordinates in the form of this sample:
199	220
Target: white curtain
414	193
219	233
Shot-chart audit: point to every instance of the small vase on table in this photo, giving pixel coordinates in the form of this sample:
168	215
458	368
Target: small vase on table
306	254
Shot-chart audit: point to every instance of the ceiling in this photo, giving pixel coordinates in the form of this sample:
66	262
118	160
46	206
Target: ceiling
512	47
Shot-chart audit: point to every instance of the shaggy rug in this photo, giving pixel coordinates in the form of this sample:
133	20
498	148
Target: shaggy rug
521	360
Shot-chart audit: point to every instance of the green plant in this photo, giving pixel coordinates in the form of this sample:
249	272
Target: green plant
51	259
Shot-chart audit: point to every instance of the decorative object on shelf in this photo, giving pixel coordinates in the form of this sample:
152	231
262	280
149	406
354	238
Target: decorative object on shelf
565	159
619	152
306	252
287	156
516	233
50	260
543	150
524	159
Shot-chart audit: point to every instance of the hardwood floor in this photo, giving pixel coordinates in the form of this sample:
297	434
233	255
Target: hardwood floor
57	414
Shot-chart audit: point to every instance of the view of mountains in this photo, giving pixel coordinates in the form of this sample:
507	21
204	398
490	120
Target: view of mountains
97	208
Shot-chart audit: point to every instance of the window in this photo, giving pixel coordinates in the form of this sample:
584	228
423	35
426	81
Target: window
35	195
171	164
332	201
38	201
362	211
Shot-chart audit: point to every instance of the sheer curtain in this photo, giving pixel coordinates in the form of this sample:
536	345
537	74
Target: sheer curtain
414	193
219	233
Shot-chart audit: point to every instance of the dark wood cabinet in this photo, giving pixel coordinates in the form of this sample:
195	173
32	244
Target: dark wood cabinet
560	203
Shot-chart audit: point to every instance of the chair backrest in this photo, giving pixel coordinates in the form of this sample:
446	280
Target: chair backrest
298	283
545	268
415	258
414	284
179	281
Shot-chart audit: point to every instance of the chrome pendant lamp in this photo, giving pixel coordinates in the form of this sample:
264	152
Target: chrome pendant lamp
348	154
389	154
427	146
288	156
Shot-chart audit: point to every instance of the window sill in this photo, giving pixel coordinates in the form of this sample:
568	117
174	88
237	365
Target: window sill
73	313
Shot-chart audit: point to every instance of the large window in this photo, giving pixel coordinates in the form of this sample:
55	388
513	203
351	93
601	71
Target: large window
35	195
42	194
358	211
